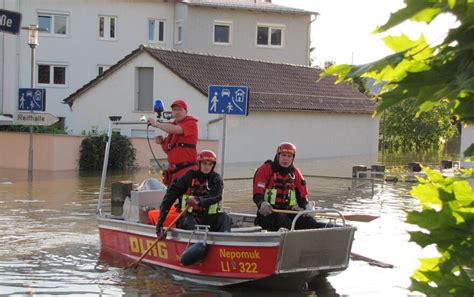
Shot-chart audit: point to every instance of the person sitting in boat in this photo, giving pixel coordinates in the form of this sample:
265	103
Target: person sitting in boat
180	144
200	189
278	184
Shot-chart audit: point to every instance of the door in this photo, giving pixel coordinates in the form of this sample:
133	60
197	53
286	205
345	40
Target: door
145	89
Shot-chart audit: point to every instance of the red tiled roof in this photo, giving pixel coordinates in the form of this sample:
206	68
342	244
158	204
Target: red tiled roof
272	86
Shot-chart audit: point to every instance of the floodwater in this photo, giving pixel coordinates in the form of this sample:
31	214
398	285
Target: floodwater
50	243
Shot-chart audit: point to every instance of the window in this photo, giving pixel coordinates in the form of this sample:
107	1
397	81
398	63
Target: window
156	31
222	32
107	27
178	38
54	75
56	24
102	68
270	35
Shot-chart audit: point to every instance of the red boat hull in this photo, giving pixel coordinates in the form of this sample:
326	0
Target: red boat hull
222	261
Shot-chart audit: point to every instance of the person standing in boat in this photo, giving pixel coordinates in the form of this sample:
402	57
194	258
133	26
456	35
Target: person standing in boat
180	144
278	184
200	189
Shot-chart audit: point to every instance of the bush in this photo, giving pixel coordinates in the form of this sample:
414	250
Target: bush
57	128
122	153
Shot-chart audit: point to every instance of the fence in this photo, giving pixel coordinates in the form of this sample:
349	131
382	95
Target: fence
61	152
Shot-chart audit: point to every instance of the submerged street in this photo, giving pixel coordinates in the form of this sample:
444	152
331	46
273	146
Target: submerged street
50	243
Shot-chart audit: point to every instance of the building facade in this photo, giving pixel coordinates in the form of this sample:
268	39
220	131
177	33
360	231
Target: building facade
330	124
467	139
84	38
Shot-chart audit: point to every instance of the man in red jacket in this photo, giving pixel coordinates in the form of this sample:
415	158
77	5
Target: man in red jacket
180	144
278	184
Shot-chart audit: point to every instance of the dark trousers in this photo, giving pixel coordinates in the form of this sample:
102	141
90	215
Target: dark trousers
276	221
219	222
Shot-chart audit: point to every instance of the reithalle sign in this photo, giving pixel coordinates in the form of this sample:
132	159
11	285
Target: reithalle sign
34	119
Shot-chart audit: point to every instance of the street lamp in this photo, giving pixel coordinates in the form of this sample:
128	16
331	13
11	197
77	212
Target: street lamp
33	43
32	35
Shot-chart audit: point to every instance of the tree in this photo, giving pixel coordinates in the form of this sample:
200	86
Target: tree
311	59
359	83
433	76
429	74
407	133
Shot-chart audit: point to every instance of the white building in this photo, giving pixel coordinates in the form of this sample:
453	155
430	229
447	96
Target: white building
87	37
467	138
328	122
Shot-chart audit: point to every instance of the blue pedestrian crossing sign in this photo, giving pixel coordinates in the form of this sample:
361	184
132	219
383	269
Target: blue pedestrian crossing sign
32	99
231	100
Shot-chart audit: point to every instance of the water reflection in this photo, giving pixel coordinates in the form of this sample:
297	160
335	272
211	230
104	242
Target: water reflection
50	243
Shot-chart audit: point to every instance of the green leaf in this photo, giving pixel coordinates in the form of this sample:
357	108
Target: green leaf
464	193
341	70
427	15
399	43
424	87
427	219
427	194
417	10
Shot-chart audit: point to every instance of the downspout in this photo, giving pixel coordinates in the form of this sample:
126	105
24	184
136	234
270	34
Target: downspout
3	70
308	56
173	25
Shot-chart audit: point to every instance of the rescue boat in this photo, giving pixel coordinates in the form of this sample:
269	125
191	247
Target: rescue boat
247	255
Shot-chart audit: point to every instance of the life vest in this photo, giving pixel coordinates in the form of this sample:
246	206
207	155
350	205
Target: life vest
198	189
280	191
154	215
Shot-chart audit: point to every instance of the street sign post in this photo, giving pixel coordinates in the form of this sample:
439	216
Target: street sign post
231	100
34	119
10	21
31	99
227	100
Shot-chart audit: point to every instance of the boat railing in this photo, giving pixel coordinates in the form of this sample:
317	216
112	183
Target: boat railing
325	212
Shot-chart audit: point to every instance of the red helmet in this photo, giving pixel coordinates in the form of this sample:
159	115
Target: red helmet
286	147
207	155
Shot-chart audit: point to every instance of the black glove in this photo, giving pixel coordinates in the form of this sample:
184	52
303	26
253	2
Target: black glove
160	232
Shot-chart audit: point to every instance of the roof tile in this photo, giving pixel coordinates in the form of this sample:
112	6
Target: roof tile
273	86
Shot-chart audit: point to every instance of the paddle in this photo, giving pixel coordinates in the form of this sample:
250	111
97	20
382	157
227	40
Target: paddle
371	262
349	217
163	236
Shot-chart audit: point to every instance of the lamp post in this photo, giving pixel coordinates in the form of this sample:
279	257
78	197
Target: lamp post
33	43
